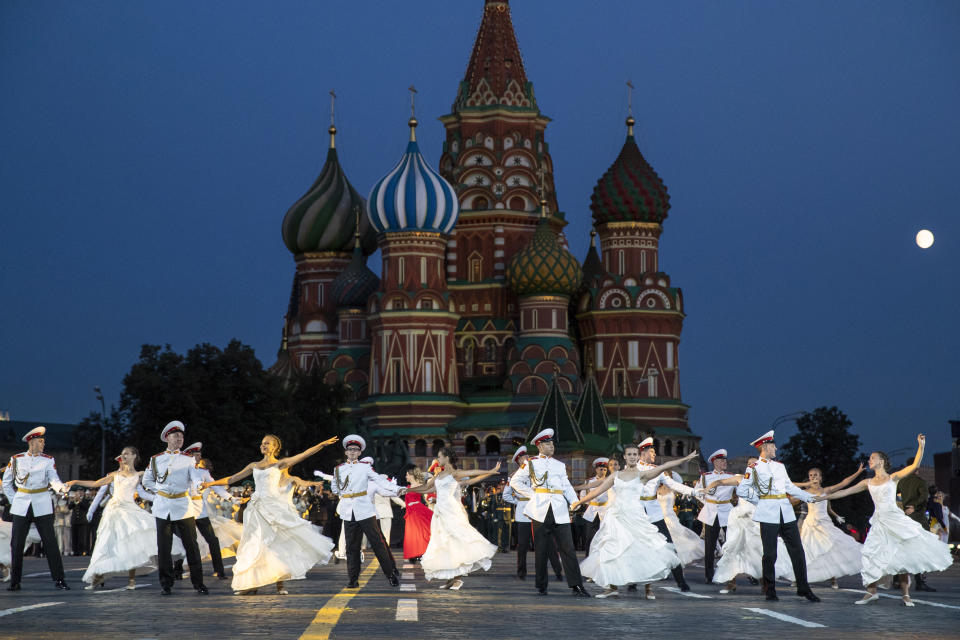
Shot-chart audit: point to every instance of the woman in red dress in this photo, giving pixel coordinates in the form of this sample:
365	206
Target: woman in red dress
416	532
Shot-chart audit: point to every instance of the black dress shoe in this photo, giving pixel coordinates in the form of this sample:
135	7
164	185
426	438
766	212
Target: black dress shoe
166	591
772	594
753	580
353	584
579	592
60	584
521	576
394	580
684	586
631	587
14	587
541	592
559	577
809	595
202	590
222	576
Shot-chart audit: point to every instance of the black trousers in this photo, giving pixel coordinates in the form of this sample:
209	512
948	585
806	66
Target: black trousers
354	530
543	533
206	530
524	536
677	571
79	538
790	533
710	534
186	530
48	538
592	528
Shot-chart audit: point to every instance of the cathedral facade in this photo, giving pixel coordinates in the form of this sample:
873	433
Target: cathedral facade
482	327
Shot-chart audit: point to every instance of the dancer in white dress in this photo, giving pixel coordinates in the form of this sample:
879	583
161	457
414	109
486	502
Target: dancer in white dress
830	552
277	544
743	548
688	544
895	544
455	548
628	548
127	534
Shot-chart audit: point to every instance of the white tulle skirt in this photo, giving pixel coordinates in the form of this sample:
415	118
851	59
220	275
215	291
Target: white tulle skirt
276	544
688	544
830	552
228	532
628	549
743	549
896	544
455	547
126	539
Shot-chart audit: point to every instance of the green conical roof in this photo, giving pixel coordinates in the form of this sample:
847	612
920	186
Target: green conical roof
554	413
544	266
590	413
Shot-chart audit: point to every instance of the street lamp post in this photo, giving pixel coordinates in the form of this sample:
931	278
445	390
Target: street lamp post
103	432
786	418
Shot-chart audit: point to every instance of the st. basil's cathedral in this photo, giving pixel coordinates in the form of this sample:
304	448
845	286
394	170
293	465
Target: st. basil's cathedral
482	327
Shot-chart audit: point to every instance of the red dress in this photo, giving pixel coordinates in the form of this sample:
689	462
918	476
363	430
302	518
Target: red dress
416	532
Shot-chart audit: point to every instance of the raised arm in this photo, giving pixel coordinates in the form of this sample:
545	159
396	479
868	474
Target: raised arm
460	474
655	471
592	482
240	475
606	484
903	473
91	484
726	482
679	487
843	493
845	482
426	487
300	457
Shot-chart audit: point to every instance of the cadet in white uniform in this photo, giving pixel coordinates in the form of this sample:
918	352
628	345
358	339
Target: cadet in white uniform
27	481
353	481
592	514
716	509
171	475
550	494
524	528
767	485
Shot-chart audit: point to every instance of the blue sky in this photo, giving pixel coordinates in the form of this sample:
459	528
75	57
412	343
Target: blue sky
150	151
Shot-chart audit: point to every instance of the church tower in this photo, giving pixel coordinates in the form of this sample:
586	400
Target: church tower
412	317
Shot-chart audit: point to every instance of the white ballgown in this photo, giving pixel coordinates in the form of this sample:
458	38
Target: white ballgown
277	544
455	547
743	548
830	552
628	548
127	535
6	538
688	544
895	543
229	532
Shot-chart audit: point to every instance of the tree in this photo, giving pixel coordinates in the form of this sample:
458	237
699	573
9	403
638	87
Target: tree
225	398
824	440
86	438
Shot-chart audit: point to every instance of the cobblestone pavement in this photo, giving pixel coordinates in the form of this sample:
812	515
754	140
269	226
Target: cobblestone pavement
490	605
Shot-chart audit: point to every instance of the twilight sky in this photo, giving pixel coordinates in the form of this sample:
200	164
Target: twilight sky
150	151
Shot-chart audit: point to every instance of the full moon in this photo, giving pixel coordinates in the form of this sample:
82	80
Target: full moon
924	239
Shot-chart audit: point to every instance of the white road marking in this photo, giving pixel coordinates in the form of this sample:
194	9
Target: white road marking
408	587
406	576
138	586
786	618
407	610
689	594
886	595
408	566
47	573
7	612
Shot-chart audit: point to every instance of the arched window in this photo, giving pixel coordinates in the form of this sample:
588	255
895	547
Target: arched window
492	445
420	448
472	445
481	203
437	445
679	448
518	204
656	446
668	448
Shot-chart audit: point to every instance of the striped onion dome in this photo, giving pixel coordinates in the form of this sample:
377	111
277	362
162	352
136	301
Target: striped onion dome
354	285
413	197
630	190
322	219
544	266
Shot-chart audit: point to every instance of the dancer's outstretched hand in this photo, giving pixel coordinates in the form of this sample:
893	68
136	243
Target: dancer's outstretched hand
329	441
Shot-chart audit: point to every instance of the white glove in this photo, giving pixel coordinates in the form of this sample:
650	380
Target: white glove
841	519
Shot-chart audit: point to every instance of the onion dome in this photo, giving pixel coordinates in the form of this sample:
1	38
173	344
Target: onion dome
630	190
322	219
544	266
413	197
592	267
354	285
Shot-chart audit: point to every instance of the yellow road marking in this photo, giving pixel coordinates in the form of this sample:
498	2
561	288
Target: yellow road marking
329	614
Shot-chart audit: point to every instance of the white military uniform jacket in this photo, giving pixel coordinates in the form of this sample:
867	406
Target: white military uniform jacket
598	505
198	502
353	482
27	481
648	494
716	505
172	475
767	485
509	495
549	487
